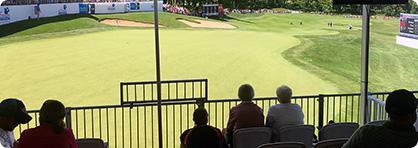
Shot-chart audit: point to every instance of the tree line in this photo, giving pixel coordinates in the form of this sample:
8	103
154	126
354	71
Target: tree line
325	6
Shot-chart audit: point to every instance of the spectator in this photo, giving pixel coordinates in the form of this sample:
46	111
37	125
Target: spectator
398	132
37	10
202	135
246	114
12	113
51	133
285	113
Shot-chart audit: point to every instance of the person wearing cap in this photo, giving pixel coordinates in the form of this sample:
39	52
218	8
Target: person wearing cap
52	132
246	114
398	132
12	113
202	135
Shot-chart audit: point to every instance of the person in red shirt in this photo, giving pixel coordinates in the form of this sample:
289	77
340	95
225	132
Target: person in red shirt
246	114
52	132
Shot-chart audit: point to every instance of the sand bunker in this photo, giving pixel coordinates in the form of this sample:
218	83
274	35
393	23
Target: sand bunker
206	24
118	22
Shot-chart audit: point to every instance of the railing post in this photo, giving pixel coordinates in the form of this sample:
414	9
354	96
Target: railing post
121	93
320	111
68	117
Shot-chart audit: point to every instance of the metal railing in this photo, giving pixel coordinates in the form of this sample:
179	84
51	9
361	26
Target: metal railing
171	90
135	124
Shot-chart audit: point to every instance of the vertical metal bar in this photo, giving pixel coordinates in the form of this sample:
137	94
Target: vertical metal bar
36	120
174	124
84	125
136	96
166	125
307	99
130	125
223	115
314	111
121	93
333	108
320	111
138	134
100	123
116	138
145	126
352	108
92	123
346	108
76	123
365	66
123	127
107	125
158	73
206	90
339	119
127	93
67	118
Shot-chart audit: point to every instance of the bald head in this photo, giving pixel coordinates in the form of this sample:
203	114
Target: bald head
284	93
246	92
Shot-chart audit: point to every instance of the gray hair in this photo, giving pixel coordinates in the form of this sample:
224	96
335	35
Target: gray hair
284	94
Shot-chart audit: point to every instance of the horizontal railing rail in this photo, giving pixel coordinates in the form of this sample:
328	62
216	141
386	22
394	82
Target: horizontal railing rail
135	125
178	90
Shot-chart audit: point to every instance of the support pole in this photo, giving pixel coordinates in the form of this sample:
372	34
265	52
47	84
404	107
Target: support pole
364	106
158	74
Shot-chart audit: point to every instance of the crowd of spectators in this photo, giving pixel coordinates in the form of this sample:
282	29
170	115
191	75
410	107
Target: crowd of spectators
398	131
51	133
176	9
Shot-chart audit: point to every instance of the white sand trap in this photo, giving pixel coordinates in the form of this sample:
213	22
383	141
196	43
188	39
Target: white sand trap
118	22
207	24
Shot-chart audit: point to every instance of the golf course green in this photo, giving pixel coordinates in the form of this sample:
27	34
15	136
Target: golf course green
81	62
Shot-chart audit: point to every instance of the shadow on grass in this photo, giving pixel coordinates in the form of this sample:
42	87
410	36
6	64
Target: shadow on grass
226	18
12	28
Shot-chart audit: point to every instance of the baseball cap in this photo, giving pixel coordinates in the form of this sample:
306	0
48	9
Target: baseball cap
401	102
14	108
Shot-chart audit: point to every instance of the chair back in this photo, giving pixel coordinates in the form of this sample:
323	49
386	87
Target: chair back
251	137
90	143
297	133
377	122
337	130
283	145
333	143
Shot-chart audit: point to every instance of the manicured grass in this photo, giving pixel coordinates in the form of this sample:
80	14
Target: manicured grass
79	61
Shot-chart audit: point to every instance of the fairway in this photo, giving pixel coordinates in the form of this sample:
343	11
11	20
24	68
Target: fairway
86	69
80	61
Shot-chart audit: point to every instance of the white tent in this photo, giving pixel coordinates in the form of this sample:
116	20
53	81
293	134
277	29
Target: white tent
1	1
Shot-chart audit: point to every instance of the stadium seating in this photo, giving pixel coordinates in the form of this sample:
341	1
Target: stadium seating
283	145
251	137
337	130
333	143
297	133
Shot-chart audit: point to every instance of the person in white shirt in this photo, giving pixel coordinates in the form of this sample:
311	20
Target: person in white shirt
285	113
12	113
